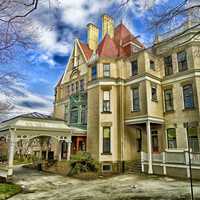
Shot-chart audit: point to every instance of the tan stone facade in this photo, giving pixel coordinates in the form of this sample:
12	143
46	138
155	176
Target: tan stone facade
136	101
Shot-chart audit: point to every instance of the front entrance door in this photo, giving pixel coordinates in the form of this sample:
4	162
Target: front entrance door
155	144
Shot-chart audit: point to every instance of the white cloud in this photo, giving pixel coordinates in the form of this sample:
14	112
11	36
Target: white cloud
77	14
24	101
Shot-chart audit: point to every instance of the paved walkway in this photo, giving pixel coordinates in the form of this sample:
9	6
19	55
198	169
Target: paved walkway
43	186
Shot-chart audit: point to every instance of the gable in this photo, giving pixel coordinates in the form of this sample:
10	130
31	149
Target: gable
75	64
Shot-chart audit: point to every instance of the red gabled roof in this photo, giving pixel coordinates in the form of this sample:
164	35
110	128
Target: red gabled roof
122	36
107	47
86	50
118	46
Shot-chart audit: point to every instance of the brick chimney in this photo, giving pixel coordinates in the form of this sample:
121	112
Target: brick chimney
107	26
92	36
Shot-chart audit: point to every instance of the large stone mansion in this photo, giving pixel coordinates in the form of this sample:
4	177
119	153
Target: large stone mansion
131	99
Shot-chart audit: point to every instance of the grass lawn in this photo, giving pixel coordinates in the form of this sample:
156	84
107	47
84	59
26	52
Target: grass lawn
8	190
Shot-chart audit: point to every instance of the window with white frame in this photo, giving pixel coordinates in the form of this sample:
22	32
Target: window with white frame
188	96
134	67
154	92
106	140
182	61
106	101
106	70
168	95
135	99
168	65
171	138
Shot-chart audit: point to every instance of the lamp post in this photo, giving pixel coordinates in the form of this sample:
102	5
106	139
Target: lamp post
187	126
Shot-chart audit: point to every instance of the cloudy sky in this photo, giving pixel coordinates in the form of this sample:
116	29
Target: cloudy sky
55	25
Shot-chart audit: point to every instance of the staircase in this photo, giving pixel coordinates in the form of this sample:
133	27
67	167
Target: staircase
133	166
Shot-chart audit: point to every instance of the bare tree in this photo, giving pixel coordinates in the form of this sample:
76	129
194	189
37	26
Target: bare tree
13	14
166	17
7	79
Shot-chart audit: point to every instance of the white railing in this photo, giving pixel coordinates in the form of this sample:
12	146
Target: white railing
175	158
195	158
157	157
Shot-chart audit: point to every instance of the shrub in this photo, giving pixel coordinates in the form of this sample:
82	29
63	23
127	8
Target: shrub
82	162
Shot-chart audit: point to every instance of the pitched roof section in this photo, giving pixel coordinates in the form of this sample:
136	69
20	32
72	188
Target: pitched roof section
86	50
114	47
123	35
107	48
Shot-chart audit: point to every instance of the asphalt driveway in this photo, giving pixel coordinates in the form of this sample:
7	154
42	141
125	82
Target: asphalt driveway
40	186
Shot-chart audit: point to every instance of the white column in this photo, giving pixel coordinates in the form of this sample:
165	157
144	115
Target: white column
68	150
11	155
142	160
149	147
187	163
164	164
59	150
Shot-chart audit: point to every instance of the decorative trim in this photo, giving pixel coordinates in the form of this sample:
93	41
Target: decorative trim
139	120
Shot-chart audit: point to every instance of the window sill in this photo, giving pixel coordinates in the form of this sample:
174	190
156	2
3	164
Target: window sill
169	111
154	100
188	109
168	75
106	154
133	111
106	112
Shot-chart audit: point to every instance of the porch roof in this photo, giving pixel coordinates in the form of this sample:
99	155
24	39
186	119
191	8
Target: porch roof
37	124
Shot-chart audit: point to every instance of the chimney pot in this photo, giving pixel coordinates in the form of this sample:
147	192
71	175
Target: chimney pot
107	26
92	36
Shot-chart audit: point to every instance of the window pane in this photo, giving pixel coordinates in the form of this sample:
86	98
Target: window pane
171	138
182	61
82	85
168	65
106	101
106	70
77	86
94	72
134	67
154	93
84	116
152	65
106	140
74	116
168	100
136	101
106	95
188	96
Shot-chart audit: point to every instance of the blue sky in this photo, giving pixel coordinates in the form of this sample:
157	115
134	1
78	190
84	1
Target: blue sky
55	26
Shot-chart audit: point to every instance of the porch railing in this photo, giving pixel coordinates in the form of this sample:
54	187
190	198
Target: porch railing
172	158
